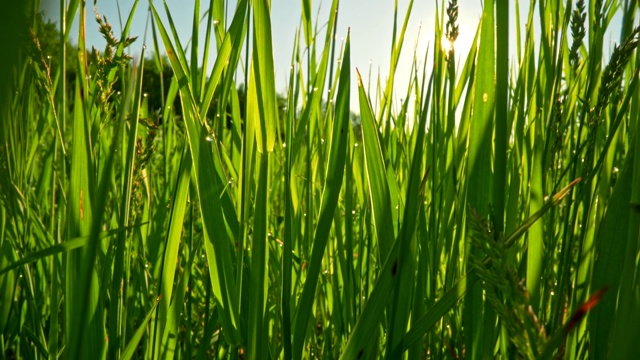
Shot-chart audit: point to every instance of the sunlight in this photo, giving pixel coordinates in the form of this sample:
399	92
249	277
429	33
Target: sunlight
463	43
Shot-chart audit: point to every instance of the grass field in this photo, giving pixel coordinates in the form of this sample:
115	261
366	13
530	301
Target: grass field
252	224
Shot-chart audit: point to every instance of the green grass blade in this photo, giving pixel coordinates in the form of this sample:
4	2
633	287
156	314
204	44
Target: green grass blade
80	219
263	70
259	261
329	202
230	48
132	345
389	249
117	304
376	176
479	174
209	187
61	248
171	252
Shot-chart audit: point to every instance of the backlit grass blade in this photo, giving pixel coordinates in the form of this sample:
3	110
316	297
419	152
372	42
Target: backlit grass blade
317	79
230	48
209	187
388	248
396	49
624	331
612	245
195	46
263	70
478	321
170	254
287	247
502	127
406	263
307	21
259	260
55	249
481	127
376	176
78	290
170	336
117	304
328	204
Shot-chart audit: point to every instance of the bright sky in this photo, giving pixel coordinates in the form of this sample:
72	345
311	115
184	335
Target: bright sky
370	21
371	29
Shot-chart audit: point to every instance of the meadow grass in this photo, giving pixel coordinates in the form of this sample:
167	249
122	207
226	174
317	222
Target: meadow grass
492	213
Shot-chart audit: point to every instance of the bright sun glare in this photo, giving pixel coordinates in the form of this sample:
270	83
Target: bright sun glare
462	45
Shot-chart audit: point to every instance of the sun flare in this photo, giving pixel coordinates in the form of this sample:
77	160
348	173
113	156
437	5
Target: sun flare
463	42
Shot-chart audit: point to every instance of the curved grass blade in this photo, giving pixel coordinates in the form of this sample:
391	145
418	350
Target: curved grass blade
389	250
60	248
209	185
376	175
329	202
131	347
164	326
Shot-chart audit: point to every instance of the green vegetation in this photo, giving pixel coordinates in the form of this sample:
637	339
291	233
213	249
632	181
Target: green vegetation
252	225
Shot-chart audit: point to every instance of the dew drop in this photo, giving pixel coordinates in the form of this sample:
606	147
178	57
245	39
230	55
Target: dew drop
284	145
485	97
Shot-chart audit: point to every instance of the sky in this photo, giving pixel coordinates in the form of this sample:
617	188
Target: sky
370	23
371	29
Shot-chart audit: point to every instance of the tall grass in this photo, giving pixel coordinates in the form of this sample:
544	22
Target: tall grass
500	217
